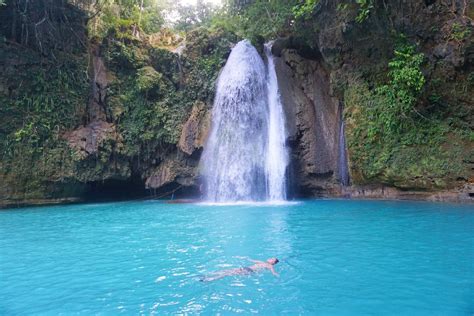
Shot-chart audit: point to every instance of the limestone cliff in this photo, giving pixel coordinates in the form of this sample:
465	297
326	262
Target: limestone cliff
340	64
312	119
123	117
128	116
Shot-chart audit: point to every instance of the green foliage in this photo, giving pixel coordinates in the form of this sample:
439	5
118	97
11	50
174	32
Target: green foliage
125	54
305	10
147	124
342	7
398	98
126	17
365	7
149	114
153	97
413	157
49	103
390	141
45	100
192	16
261	19
148	79
459	32
470	79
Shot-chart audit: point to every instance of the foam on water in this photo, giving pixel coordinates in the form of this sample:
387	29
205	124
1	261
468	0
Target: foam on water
251	203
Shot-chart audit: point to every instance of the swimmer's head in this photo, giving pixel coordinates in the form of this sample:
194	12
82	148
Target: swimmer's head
273	261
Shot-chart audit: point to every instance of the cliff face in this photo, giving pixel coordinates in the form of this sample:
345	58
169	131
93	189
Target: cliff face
344	64
128	117
139	120
313	118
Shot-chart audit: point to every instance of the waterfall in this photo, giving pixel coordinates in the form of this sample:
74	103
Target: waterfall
245	156
342	163
233	164
277	156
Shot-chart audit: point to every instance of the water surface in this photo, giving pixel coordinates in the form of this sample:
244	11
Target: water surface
337	257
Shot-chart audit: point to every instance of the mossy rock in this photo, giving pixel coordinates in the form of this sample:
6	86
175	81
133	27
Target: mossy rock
432	155
149	80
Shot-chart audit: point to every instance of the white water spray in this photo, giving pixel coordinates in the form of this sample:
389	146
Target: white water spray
342	163
277	154
245	157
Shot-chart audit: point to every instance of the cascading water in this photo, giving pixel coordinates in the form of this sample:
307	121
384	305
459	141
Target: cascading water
277	155
233	158
343	168
245	157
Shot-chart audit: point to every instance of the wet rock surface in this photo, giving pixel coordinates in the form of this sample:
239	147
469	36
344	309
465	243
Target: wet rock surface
196	129
86	140
312	120
312	82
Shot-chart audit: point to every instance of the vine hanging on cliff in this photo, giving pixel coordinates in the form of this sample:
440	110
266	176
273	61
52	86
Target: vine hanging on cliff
365	7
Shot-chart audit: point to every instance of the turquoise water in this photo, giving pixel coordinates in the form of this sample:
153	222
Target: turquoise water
337	257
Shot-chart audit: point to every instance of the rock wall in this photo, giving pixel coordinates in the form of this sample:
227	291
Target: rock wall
316	72
312	118
143	122
177	170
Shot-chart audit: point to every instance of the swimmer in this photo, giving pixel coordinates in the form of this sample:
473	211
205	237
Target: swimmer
257	266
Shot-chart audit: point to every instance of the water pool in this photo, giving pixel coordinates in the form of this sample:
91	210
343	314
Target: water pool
337	256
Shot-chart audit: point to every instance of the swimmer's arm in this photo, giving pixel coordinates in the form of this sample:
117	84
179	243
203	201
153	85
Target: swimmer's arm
251	260
255	261
273	272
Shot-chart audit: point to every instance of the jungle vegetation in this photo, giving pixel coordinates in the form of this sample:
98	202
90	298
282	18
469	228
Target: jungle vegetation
45	87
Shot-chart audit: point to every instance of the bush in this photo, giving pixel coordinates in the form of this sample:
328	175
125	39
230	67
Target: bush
389	141
149	80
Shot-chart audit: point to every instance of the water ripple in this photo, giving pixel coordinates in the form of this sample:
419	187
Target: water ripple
147	258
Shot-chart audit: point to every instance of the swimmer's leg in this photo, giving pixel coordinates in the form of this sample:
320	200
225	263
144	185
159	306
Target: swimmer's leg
211	278
221	274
